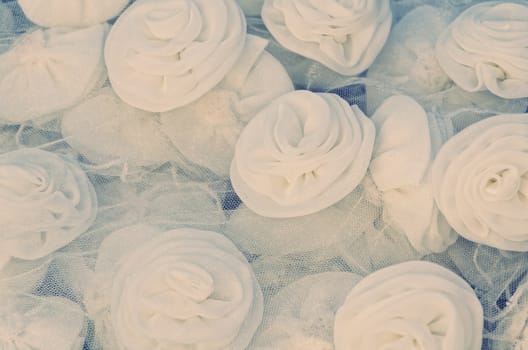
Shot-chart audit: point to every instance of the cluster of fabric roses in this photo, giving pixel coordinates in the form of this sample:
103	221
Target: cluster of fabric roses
181	82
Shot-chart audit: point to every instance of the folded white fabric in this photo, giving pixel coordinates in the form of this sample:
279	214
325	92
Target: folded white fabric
408	64
480	182
71	13
401	169
345	36
301	316
206	130
48	70
179	289
413	305
163	54
103	128
486	48
44	323
302	153
46	200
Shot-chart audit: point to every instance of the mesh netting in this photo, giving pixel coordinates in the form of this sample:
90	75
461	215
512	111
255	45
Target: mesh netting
144	174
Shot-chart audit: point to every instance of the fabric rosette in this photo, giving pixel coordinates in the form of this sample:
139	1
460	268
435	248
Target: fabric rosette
44	323
480	182
179	289
486	48
408	64
48	70
345	36
401	171
71	13
414	305
163	54
302	153
47	201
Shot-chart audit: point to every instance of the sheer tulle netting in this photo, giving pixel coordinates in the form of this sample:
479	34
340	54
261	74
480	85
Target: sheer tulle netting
157	189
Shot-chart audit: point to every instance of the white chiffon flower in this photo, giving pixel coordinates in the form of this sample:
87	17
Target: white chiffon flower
302	153
401	169
486	48
43	323
345	36
46	200
48	70
206	130
414	305
163	54
71	13
180	289
480	182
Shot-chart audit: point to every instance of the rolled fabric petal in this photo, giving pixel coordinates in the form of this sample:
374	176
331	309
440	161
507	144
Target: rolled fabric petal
480	182
206	130
71	13
44	323
401	169
345	36
163	54
302	153
486	48
48	70
179	289
47	201
414	305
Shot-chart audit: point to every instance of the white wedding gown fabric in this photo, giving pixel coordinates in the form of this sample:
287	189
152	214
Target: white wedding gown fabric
263	175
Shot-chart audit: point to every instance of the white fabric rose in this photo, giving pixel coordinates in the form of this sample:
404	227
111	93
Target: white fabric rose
414	305
180	289
302	153
401	169
480	182
43	323
46	200
103	128
206	130
485	48
163	54
345	36
71	13
46	71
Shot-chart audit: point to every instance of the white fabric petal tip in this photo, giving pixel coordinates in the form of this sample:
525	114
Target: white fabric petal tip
49	70
301	316
400	169
47	201
164	54
301	154
205	131
182	288
480	182
44	323
412	305
344	36
71	13
485	49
